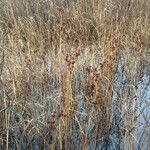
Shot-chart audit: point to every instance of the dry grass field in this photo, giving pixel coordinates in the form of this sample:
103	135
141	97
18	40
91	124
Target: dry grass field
73	75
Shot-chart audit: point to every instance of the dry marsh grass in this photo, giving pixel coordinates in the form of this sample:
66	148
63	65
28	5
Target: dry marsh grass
70	74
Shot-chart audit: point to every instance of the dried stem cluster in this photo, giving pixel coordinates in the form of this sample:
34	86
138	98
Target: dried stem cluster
70	72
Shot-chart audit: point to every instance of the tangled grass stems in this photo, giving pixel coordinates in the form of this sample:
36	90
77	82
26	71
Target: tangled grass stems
71	73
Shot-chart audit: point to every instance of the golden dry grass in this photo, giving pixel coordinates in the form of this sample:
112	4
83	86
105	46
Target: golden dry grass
59	81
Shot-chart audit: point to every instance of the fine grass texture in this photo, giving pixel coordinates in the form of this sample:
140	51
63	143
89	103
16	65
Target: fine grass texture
70	73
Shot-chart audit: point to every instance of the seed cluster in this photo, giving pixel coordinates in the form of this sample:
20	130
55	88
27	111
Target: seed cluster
71	59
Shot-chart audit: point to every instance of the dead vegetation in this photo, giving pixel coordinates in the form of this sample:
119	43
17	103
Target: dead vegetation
70	74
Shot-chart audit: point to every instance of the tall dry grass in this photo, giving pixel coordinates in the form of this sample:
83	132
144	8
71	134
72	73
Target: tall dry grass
70	72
